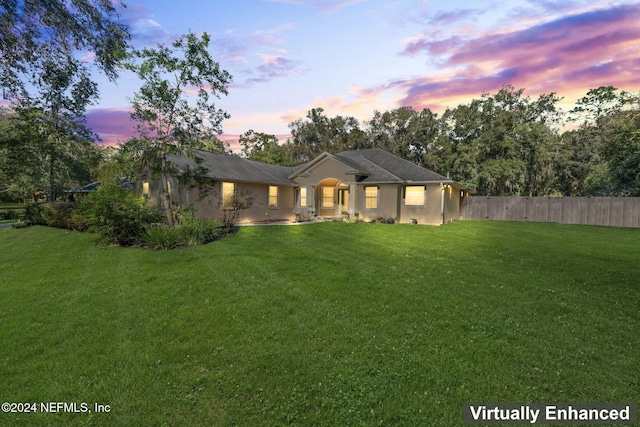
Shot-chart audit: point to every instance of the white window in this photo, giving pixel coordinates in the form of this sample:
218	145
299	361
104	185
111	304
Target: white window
303	197
371	197
228	192
414	195
327	197
145	188
273	196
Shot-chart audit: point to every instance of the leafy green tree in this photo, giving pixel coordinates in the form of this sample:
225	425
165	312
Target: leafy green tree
168	120
38	36
49	85
412	135
578	165
503	144
57	112
620	148
607	144
390	131
43	158
600	102
265	148
319	133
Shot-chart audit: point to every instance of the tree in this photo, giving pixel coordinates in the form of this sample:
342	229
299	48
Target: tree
265	148
57	110
166	120
609	135
41	156
598	103
42	73
318	133
502	144
36	34
620	149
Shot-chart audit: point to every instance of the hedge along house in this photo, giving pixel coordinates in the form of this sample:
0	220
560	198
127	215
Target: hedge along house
365	184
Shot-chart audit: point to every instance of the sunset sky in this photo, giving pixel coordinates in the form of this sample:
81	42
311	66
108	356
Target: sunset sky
353	57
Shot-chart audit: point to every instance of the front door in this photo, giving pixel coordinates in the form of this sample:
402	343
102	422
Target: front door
343	201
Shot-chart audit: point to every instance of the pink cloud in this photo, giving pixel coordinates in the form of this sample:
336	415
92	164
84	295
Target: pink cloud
114	125
568	54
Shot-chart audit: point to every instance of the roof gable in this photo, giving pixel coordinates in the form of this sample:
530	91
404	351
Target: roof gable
387	167
354	168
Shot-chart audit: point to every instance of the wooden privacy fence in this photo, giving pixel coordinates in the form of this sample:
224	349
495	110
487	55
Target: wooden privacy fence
608	211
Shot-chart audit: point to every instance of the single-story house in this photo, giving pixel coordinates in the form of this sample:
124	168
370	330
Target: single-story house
365	184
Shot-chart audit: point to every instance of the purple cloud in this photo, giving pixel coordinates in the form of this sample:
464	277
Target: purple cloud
272	68
580	51
112	124
448	18
145	31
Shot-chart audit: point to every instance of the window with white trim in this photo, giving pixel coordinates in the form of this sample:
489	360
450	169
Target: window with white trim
414	195
371	197
273	196
228	192
303	197
328	197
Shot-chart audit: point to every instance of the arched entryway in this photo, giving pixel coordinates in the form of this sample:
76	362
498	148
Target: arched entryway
332	198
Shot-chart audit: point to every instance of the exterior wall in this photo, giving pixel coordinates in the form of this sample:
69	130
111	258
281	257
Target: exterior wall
331	172
210	206
431	214
451	203
607	211
388	199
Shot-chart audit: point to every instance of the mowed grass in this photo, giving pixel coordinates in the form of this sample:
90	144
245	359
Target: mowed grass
328	324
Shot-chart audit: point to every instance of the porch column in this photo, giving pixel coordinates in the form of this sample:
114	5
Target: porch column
353	199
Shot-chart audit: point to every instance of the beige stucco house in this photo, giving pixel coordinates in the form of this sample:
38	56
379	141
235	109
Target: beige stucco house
364	184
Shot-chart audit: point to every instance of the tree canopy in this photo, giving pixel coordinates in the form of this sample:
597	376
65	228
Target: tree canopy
38	35
499	144
169	121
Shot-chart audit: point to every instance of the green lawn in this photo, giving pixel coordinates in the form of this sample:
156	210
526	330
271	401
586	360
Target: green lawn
329	324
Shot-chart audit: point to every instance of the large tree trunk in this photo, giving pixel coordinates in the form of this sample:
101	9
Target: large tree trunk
165	197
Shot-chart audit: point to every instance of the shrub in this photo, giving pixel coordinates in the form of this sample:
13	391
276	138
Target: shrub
9	215
58	214
195	232
201	231
33	214
239	203
162	236
20	224
383	220
118	214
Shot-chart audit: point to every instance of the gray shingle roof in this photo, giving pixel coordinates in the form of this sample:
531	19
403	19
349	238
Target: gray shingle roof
233	168
382	166
375	165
